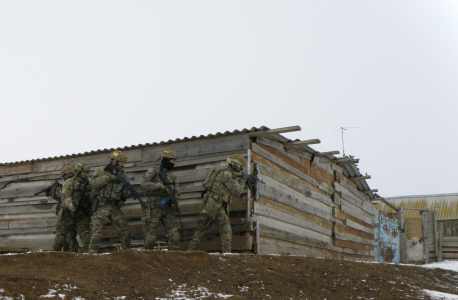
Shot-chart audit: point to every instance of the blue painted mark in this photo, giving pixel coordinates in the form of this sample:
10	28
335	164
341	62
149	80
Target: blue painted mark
387	237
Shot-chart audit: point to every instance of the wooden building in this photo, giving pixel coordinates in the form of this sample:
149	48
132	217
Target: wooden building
311	204
430	223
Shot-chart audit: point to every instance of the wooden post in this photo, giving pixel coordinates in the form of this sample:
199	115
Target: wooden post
436	246
258	247
249	193
441	229
425	236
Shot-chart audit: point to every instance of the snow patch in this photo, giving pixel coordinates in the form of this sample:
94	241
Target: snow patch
183	293
445	265
440	296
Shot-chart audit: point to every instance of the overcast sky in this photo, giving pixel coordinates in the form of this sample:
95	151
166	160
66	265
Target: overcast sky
77	76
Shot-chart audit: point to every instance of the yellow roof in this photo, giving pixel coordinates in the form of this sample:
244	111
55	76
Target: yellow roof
445	205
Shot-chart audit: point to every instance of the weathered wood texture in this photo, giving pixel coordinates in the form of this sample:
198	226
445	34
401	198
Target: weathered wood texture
307	207
28	221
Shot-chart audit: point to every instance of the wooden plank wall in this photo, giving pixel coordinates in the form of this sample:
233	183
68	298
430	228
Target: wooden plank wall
308	207
28	221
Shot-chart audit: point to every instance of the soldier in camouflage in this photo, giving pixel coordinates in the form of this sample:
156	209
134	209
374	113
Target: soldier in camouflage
110	199
71	191
158	209
64	239
221	187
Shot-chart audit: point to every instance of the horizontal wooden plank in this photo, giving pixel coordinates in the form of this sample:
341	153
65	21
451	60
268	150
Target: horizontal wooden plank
353	245
199	147
9	169
28	209
298	152
353	238
294	184
281	193
263	210
322	176
289	231
290	168
30	244
357	226
352	189
50	165
275	246
266	231
356	212
33	223
28	231
346	229
337	213
355	251
268	142
449	255
369	207
346	195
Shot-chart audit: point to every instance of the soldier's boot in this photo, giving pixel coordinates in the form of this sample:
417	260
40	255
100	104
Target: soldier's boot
150	240
86	239
65	246
58	242
94	243
125	238
174	239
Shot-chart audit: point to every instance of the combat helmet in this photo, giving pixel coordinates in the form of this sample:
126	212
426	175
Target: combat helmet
118	156
66	172
237	158
81	167
168	154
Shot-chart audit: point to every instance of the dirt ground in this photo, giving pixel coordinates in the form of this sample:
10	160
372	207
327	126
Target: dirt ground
198	275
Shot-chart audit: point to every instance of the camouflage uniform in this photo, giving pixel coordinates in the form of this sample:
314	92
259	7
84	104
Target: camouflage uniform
222	188
156	212
70	194
65	238
104	186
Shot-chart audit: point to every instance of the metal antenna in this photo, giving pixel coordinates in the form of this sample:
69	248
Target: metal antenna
342	130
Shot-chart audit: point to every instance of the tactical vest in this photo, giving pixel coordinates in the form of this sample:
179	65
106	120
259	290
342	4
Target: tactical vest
77	188
216	187
107	193
158	196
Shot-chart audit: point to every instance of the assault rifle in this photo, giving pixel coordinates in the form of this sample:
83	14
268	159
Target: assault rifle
171	196
110	168
249	179
53	187
80	199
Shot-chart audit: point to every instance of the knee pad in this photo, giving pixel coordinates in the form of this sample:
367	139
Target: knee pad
175	237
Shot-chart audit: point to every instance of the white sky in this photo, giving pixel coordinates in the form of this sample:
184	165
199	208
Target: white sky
77	76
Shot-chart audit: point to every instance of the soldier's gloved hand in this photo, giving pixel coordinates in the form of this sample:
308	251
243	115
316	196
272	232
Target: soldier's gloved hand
126	192
113	177
245	177
121	204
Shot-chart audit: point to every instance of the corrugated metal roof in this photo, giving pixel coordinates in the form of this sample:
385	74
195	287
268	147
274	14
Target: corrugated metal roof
445	205
185	139
350	170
